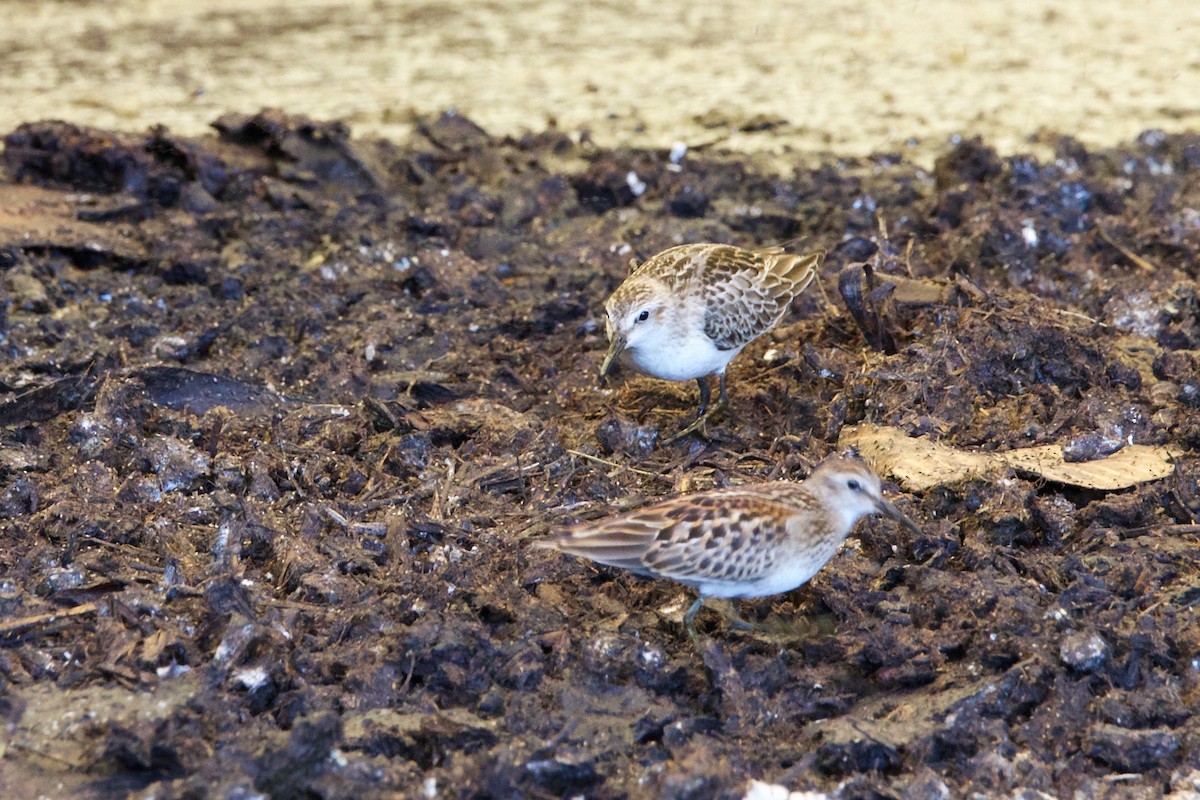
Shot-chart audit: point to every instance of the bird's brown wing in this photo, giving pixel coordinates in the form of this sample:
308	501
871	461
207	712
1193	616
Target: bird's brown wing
725	536
747	291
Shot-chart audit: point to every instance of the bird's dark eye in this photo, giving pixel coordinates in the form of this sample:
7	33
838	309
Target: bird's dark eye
645	315
853	485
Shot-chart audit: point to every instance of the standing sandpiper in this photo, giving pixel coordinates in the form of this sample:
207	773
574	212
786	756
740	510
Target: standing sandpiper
743	541
686	312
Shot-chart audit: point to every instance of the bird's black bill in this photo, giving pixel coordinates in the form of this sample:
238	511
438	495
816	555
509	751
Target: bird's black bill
610	358
890	511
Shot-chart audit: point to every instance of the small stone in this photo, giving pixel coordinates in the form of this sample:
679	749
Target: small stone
1189	392
1054	515
619	435
177	464
92	434
611	655
1091	446
1130	751
412	453
11	597
60	579
563	776
1084	652
142	489
228	473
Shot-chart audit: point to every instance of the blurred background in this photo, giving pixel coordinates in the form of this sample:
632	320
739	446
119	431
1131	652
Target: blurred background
842	76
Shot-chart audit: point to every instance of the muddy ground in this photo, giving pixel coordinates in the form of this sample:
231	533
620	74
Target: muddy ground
284	410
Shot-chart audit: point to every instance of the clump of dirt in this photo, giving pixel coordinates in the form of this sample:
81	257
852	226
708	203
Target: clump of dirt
284	408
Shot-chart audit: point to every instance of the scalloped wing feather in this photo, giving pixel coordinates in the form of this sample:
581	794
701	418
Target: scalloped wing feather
731	535
747	293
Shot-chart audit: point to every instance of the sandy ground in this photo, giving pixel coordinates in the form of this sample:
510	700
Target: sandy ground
849	77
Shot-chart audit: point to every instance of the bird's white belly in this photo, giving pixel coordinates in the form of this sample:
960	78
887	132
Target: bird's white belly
797	572
681	359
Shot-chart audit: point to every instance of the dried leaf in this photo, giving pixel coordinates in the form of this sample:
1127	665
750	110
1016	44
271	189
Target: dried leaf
918	463
1127	467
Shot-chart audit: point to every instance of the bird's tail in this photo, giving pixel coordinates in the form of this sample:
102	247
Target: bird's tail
798	270
617	543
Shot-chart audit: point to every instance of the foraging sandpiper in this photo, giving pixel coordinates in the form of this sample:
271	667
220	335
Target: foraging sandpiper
742	541
685	313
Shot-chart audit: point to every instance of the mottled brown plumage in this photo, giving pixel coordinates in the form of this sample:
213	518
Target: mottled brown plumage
685	313
744	541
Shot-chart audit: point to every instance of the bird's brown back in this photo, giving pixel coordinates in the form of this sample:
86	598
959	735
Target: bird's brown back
732	534
748	292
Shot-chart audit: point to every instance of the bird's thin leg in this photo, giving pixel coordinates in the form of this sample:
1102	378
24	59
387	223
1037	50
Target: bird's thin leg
723	399
705	394
728	611
689	620
735	620
707	410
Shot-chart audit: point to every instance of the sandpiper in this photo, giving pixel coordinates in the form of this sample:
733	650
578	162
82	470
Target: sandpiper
685	313
743	541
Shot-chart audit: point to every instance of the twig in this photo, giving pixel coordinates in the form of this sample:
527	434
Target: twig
1066	313
1137	260
831	308
18	625
614	464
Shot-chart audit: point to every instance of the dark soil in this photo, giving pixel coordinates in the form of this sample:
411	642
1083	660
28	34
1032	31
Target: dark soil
284	409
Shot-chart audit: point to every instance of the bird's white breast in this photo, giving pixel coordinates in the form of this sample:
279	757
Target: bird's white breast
680	355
